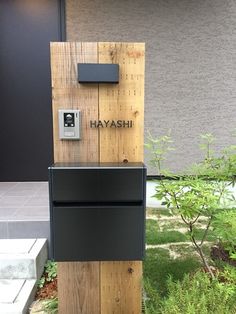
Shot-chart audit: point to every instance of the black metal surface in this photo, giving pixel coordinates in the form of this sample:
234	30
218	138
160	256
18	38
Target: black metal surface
94	185
98	233
98	73
99	165
92	216
62	19
26	29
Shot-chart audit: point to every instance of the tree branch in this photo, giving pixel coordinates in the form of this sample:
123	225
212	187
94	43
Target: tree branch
199	250
206	231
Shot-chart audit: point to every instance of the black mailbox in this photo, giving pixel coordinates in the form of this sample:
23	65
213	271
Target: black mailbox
97	211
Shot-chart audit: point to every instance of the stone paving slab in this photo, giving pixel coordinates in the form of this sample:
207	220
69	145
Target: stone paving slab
17	295
9	290
22	258
21	264
16	246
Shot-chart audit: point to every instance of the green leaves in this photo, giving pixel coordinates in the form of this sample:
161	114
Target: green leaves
159	147
50	273
51	306
224	226
197	294
51	270
41	282
202	191
189	197
222	167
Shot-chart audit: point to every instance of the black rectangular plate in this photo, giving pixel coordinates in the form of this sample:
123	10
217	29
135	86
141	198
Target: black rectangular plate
102	233
98	73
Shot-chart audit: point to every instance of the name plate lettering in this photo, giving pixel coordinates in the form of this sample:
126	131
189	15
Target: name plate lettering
111	123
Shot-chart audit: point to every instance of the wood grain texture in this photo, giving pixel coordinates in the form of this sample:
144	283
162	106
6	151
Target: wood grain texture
78	282
121	289
78	288
67	93
123	101
100	287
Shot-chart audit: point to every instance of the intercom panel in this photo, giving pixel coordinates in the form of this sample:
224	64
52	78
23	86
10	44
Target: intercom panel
69	124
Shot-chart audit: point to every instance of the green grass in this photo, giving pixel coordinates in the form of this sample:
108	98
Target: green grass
199	234
158	266
155	236
184	250
158	212
181	293
173	225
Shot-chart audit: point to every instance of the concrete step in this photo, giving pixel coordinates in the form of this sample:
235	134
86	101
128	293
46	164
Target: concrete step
21	265
16	295
22	258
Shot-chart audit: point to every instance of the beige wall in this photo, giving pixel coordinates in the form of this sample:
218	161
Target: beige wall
190	62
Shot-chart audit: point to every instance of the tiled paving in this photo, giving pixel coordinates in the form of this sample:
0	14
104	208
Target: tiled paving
24	201
24	210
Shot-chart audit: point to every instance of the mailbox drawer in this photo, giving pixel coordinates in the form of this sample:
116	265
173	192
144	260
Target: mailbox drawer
97	184
98	233
97	211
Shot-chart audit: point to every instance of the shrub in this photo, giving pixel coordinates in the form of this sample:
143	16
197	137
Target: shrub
195	294
50	273
199	295
224	226
203	192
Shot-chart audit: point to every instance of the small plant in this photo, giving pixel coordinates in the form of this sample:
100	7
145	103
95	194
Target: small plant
41	282
51	306
197	294
202	192
224	226
229	276
51	270
50	273
194	294
159	148
151	300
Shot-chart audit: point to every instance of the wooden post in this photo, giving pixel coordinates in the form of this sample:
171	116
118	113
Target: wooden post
100	287
78	283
